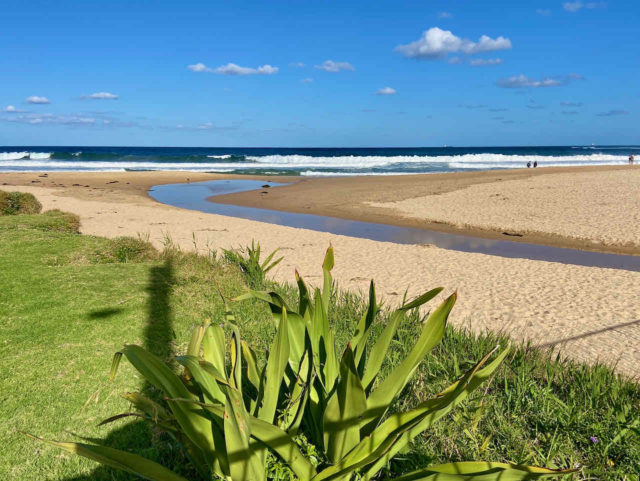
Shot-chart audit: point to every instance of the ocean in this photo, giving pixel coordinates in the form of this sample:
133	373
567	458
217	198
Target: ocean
304	161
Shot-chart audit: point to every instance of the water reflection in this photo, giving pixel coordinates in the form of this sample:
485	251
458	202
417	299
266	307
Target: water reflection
193	196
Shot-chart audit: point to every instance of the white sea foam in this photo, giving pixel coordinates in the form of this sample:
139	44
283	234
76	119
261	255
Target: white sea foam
44	163
24	161
219	156
13	155
23	155
39	155
343	161
364	162
316	173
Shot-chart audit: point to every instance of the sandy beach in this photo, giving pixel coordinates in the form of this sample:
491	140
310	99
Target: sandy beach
559	206
590	207
589	313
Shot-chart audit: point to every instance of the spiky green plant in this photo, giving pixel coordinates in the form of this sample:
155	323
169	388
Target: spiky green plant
248	259
228	409
339	403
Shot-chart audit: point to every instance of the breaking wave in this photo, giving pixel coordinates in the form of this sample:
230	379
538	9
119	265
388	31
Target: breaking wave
24	155
357	162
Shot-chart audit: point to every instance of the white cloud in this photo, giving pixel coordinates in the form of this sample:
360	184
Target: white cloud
445	15
331	66
101	96
487	44
522	81
34	99
572	6
472	106
545	12
205	126
436	43
386	91
571	104
478	62
199	67
42	119
76	119
307	80
267	70
612	113
296	64
575	6
233	69
11	109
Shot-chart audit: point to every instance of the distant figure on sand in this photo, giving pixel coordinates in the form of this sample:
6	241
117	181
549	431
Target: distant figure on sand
528	164
631	159
535	164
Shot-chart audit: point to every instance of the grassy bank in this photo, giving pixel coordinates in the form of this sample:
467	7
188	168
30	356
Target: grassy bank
68	301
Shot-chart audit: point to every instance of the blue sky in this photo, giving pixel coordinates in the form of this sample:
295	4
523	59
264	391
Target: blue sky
319	73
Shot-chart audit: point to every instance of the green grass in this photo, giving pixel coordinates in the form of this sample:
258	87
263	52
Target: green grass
52	220
61	322
68	302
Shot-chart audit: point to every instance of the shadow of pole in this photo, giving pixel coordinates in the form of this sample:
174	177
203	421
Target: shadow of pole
158	332
590	333
158	335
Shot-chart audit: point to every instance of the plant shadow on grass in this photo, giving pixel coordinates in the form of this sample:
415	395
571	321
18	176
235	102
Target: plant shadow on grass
137	437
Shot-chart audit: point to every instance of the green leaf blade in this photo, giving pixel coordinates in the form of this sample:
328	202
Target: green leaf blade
159	375
432	334
115	458
276	364
243	464
213	346
343	411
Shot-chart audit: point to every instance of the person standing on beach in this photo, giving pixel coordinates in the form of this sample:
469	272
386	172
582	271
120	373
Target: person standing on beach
631	159
535	164
529	165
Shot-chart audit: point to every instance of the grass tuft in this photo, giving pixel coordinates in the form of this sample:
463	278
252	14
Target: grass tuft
18	203
248	260
49	221
125	249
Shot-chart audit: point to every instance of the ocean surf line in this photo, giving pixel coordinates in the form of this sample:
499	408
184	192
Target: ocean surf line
194	196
